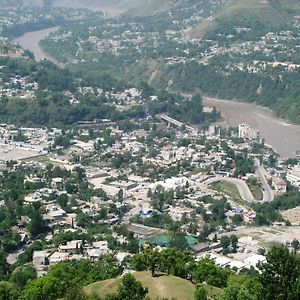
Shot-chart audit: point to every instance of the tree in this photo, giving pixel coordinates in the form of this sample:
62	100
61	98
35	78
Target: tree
280	275
131	289
8	291
295	245
43	288
200	294
36	224
62	200
4	266
225	244
168	259
151	259
22	275
178	241
207	271
234	242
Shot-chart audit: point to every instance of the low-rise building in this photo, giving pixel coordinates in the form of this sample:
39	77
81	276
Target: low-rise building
279	185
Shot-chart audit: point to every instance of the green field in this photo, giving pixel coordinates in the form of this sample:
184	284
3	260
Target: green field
256	191
229	189
170	287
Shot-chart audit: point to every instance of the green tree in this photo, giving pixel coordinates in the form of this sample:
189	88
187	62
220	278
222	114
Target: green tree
131	289
295	245
22	275
152	260
207	271
280	275
36	224
200	294
178	241
8	291
43	288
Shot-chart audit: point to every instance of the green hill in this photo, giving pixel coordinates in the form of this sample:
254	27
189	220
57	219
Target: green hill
259	15
161	286
148	7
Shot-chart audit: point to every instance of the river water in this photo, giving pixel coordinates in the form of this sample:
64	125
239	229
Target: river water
282	136
30	41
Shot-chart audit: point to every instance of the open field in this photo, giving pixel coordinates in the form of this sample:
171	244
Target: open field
8	152
229	189
269	235
256	191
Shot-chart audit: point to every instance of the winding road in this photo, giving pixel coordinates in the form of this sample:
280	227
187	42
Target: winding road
241	185
260	171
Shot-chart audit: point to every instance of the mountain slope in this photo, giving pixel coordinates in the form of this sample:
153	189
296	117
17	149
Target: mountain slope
149	7
259	15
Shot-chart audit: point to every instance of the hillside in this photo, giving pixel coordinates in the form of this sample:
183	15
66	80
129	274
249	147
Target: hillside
259	15
161	286
149	7
131	7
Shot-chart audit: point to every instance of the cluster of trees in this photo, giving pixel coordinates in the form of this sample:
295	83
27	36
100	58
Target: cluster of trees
280	92
187	111
65	278
268	213
278	277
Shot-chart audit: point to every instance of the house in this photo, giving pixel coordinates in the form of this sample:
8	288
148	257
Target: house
199	248
40	259
54	213
75	246
279	185
57	182
57	257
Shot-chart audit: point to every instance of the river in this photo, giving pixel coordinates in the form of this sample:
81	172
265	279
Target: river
30	41
281	135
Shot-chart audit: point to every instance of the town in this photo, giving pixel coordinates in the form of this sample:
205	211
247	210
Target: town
144	178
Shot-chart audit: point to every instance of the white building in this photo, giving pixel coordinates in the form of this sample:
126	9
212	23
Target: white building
246	132
293	176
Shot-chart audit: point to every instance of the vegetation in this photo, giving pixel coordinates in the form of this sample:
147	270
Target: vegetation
162	286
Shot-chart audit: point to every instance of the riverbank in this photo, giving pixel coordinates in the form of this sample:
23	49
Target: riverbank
281	135
31	41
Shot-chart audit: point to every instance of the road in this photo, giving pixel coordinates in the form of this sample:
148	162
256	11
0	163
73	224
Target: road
241	185
260	171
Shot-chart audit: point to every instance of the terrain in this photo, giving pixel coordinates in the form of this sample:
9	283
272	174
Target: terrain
162	286
111	7
259	15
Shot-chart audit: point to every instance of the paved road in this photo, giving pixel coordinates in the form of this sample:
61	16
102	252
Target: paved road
260	171
241	185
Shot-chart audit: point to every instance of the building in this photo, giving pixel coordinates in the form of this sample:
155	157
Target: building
279	185
75	246
246	132
293	177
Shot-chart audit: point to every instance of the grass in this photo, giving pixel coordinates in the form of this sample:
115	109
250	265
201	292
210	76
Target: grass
170	287
256	191
230	190
212	291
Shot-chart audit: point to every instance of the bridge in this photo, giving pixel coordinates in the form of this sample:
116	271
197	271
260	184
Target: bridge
171	121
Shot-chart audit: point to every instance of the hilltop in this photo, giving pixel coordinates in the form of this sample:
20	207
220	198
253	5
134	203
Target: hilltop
161	286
